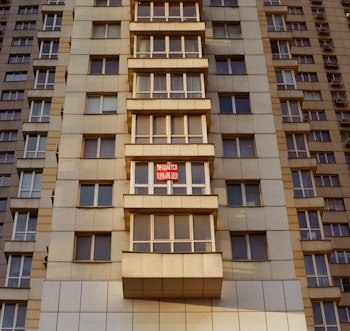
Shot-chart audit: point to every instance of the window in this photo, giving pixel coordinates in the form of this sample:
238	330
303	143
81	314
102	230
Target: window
340	257
25	226
322	28
30	184
343	283
344	135
342	115
93	247
101	104
297	146
285	80
303	184
2	26
243	194
295	10
35	146
336	230
3	204
318	13
315	115
301	42
319	136
239	146
167	12
19	58
304	59
327	180
230	66
325	316
10	115
40	111
1	229
309	225
280	49
306	77
8	136
13	316
22	41
176	233
326	44
339	98
347	158
45	79
323	157
334	204
106	30
272	2
25	25
169	85
290	111
96	195
5	180
48	49
18	271
170	129
334	78
55	2
52	22
28	10
12	95
99	147
168	47
330	61
224	3
104	66
226	30
111	3
316	270
249	246
16	76
312	96
344	314
275	23
4	10
193	178
7	157
299	26
234	104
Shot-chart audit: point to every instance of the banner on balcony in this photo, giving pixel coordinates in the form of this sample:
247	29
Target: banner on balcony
167	171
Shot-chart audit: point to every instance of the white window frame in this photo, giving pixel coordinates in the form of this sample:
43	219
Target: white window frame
225	33
100	147
306	77
283	49
34	188
16	76
233	104
336	229
340	283
249	243
44	111
55	2
243	195
340	257
56	22
295	10
7	157
312	96
7	136
229	67
12	95
24	228
152	123
103	102
223	3
272	2
327	180
324	325
96	193
324	157
25	25
310	225
22	42
10	115
25	10
4	10
93	246
52	53
285	80
16	275
104	69
19	314
296	26
315	115
291	111
45	79
320	136
39	150
317	270
238	148
303	184
5	180
301	42
171	241
109	30
275	22
109	3
334	204
150	184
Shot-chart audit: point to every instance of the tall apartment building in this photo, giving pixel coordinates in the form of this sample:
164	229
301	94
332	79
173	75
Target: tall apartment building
174	165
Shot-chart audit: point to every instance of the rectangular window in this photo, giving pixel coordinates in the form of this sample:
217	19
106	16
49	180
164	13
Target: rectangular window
45	79
335	79
2	26
106	30
169	85
5	180
316	267
1	229
343	283
93	247
168	46
96	195
301	42
193	178
49	49
304	59
230	66
327	180
40	111
343	117
16	76
249	246
147	11
330	62
234	104
314	115
295	10
326	44
275	22
296	26
344	136
4	10
290	111
325	316
297	146
323	157
18	271
243	194
224	3
272	2
3	204
12	95
25	226
336	230
104	66
243	146
340	257
319	136
309	225
13	316
28	10
52	22
169	129
30	184
103	3
35	146
177	233
7	157
22	41
280	49
99	147
334	204
226	30
25	25
101	104
344	314
55	2
285	80
303	184
306	77
8	136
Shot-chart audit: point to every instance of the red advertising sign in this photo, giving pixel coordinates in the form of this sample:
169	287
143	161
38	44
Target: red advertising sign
167	171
